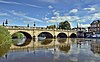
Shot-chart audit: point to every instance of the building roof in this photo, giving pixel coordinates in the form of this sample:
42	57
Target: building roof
95	21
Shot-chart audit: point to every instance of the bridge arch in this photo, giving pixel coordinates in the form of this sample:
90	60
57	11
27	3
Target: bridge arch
73	35
62	35
27	40
45	34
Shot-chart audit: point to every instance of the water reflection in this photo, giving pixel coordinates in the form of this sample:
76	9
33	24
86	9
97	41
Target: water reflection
46	41
61	40
95	46
65	48
4	49
78	50
21	42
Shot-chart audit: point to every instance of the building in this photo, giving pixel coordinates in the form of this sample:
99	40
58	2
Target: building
80	31
94	26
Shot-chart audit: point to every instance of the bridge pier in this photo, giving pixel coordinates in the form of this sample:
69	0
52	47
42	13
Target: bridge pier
54	36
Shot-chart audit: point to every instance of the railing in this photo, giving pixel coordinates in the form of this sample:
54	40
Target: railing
35	28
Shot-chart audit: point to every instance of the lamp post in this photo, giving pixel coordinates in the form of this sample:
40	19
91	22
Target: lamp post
54	31
33	32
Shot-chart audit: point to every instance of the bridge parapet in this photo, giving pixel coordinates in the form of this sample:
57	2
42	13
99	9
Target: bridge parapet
37	28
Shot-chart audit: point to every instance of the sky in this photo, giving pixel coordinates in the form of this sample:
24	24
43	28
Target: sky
49	12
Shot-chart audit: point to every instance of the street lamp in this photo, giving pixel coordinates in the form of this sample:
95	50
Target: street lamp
54	31
33	32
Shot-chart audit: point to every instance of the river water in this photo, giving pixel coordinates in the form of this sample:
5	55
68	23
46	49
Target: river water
61	50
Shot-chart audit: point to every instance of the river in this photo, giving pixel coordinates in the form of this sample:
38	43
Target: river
61	50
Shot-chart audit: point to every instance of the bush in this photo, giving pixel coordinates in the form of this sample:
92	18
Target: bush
5	40
5	36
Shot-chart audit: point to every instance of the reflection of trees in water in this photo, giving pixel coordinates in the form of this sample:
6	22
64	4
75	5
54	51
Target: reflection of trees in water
61	40
46	41
64	48
95	46
26	42
4	49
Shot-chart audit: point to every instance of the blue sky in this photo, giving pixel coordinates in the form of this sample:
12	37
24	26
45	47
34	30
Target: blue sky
48	12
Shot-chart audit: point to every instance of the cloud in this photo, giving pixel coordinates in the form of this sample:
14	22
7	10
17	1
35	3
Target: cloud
9	2
50	1
4	14
73	11
90	9
34	6
50	7
23	15
64	18
85	25
24	4
91	17
56	13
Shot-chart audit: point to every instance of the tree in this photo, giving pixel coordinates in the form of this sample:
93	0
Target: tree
28	25
6	22
5	41
3	24
51	26
64	25
5	37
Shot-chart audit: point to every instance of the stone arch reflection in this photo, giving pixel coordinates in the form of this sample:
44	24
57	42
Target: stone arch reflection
62	40
61	35
73	35
65	48
46	41
21	38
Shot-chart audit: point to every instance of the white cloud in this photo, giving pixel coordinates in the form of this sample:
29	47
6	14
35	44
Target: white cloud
34	6
64	18
9	2
24	4
56	13
50	7
4	14
85	25
50	1
90	9
91	17
45	18
23	15
73	11
96	15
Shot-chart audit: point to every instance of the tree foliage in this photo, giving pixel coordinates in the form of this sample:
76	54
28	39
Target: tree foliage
5	36
64	25
51	26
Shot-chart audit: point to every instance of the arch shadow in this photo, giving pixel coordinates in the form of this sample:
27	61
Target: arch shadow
45	35
73	35
61	35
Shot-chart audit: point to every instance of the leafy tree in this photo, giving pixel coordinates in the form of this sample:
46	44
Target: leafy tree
51	26
5	37
64	25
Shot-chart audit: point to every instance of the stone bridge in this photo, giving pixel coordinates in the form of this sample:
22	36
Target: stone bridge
34	33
